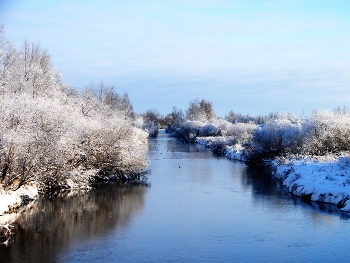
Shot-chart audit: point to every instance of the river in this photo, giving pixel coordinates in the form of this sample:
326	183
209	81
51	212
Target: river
196	206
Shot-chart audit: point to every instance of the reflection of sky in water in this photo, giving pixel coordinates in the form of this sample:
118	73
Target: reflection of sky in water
199	208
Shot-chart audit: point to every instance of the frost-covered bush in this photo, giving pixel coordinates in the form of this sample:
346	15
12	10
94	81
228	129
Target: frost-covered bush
189	130
152	130
209	130
241	131
273	138
42	140
217	144
280	135
174	120
326	132
321	134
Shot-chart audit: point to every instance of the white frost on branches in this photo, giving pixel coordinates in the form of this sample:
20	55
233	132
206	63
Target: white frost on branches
52	137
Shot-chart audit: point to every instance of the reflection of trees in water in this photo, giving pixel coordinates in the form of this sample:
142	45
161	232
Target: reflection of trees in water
54	224
261	180
264	184
321	209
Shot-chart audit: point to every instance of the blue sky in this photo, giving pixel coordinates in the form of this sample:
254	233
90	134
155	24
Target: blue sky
251	57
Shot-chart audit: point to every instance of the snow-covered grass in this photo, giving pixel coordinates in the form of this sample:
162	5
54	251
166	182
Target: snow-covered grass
317	180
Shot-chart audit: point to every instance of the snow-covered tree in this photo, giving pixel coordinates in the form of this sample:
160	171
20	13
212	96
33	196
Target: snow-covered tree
52	137
200	111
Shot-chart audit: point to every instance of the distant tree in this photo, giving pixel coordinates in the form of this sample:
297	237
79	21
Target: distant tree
108	97
175	118
200	111
151	117
237	118
8	58
341	111
151	120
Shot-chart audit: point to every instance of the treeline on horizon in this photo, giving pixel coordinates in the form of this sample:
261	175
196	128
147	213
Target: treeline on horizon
263	137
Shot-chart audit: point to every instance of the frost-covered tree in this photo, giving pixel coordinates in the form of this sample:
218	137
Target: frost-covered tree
174	119
8	63
52	137
114	101
151	122
200	111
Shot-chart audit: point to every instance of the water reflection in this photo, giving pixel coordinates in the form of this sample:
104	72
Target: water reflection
263	184
53	225
320	209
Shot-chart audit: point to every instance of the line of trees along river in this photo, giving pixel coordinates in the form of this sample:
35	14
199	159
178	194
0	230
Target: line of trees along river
197	206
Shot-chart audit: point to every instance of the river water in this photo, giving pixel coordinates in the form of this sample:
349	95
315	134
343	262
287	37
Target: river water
196	207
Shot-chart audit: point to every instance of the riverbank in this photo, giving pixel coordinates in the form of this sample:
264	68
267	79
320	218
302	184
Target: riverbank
11	203
318	179
222	144
325	181
12	200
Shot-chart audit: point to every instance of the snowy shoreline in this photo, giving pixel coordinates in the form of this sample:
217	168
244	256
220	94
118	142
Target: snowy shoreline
12	203
318	181
10	200
326	181
219	144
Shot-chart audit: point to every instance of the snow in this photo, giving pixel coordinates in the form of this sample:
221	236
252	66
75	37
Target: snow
9	199
223	144
320	181
234	152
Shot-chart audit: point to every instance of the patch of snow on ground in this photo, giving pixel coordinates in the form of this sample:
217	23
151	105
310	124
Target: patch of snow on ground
234	152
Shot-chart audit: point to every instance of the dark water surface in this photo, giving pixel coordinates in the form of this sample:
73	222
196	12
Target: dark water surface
198	207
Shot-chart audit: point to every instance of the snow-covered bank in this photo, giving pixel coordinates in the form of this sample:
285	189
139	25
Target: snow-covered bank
224	145
10	200
319	181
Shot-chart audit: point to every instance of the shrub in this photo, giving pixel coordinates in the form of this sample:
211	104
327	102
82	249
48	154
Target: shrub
323	133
